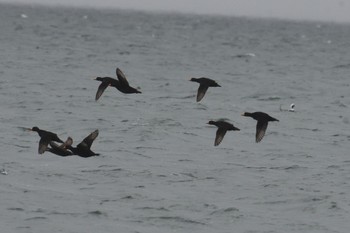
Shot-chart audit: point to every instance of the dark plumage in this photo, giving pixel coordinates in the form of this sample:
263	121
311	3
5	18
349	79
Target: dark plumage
61	150
262	123
83	148
204	84
121	84
45	138
223	127
105	82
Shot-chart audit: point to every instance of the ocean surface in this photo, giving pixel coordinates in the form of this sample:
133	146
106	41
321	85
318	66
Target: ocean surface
159	170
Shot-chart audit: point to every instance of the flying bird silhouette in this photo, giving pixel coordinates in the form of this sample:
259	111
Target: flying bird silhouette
121	84
204	84
261	126
223	127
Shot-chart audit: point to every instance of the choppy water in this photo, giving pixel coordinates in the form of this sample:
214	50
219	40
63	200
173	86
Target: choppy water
158	170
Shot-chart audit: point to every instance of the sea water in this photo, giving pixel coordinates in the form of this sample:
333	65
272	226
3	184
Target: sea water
159	170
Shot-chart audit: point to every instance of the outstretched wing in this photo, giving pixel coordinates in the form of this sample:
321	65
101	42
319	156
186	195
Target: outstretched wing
101	89
61	150
43	143
87	142
68	142
64	145
220	133
261	127
201	92
122	78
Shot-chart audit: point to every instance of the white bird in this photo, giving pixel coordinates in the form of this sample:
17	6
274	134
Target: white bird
4	172
291	108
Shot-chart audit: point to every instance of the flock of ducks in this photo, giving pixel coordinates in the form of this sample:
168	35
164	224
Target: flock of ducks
83	149
223	126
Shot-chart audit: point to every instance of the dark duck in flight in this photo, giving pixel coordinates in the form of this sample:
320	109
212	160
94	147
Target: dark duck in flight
121	84
45	138
83	148
204	84
262	122
223	127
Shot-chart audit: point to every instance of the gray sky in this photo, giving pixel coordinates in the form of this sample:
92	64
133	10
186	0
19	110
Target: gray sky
325	10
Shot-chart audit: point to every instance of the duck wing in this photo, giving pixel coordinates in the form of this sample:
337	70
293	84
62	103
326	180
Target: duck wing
64	145
87	142
121	77
261	127
101	89
43	143
201	92
220	133
61	150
